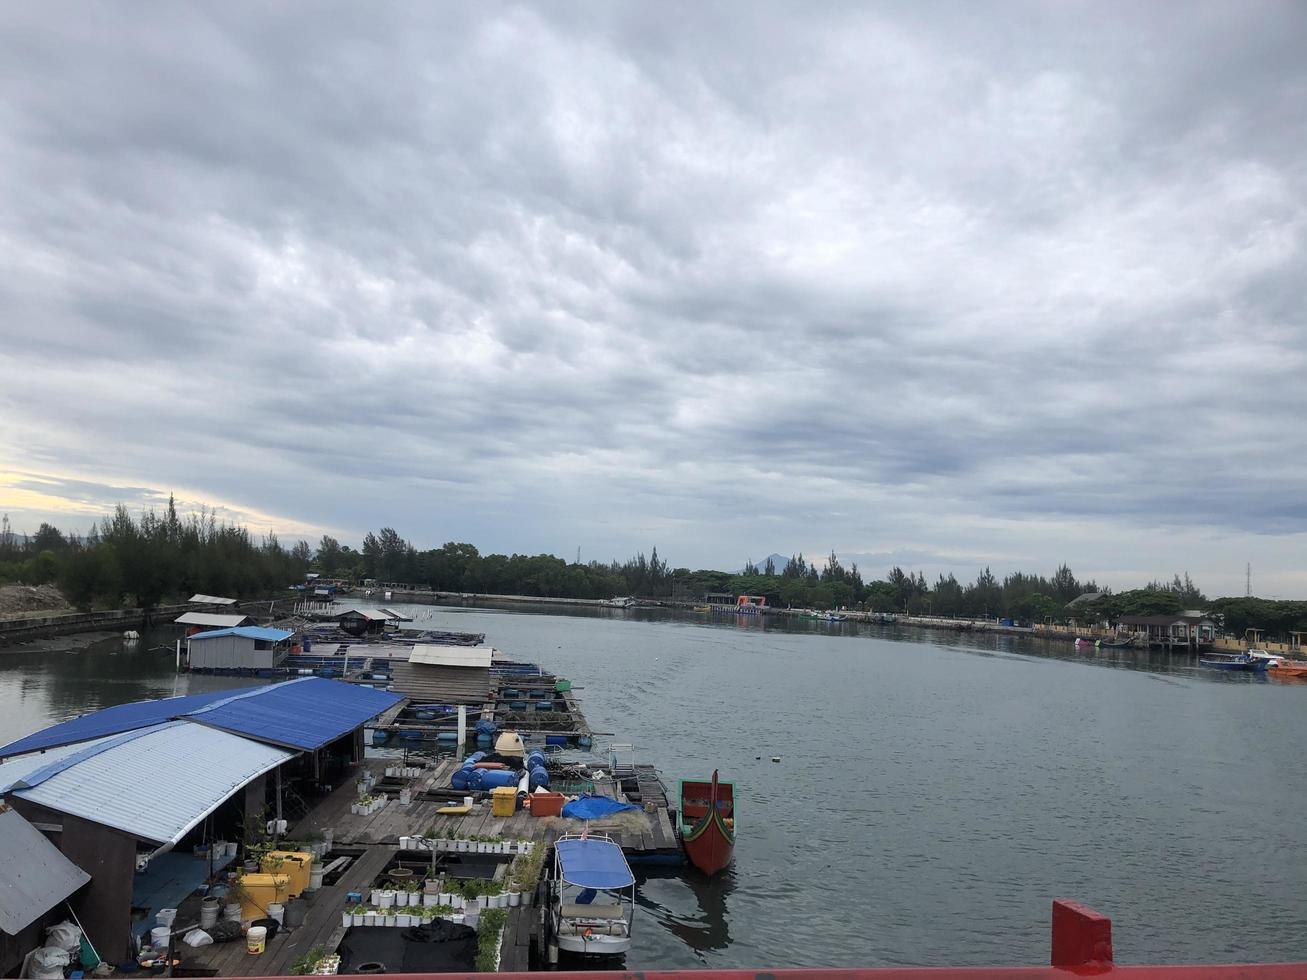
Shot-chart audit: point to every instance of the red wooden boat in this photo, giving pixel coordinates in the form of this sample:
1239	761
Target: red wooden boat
708	823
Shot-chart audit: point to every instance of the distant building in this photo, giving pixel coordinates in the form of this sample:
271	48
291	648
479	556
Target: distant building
200	599
240	647
363	622
1190	632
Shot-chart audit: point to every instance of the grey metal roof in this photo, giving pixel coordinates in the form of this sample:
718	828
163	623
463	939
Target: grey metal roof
211	600
215	620
36	878
156	783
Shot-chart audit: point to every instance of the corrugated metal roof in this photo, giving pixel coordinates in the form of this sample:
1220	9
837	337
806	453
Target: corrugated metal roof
37	876
111	721
216	620
17	769
303	714
249	632
110	783
442	656
211	600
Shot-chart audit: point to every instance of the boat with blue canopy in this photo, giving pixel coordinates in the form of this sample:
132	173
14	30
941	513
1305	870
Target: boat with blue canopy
594	897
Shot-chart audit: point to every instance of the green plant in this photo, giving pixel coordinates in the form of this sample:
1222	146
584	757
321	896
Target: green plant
490	928
307	963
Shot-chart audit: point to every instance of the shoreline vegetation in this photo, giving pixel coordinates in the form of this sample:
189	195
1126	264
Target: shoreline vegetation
155	558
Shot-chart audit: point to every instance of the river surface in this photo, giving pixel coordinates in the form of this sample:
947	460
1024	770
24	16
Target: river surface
934	793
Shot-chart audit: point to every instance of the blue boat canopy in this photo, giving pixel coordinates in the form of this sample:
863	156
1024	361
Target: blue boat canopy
593	863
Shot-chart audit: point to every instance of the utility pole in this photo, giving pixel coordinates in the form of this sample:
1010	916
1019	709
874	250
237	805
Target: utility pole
1248	581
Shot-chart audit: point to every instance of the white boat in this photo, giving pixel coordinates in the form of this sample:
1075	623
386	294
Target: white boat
594	896
1261	656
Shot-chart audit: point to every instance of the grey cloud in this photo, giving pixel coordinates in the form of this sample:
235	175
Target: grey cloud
537	276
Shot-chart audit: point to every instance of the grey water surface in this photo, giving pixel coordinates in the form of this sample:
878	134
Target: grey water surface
935	792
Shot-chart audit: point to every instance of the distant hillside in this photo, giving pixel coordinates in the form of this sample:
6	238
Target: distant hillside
777	560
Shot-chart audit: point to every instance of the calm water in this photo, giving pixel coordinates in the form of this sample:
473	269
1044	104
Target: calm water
933	795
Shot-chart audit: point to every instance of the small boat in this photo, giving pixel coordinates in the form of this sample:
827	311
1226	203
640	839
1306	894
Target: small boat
593	903
1233	661
1258	654
703	609
1288	668
1117	643
708	823
1083	644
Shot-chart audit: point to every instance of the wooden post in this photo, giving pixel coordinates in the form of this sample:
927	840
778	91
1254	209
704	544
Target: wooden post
1081	936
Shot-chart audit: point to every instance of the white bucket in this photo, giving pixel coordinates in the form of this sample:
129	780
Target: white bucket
315	878
159	936
232	912
165	917
208	913
277	911
255	939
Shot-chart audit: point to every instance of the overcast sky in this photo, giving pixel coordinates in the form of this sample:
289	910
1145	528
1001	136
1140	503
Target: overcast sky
942	285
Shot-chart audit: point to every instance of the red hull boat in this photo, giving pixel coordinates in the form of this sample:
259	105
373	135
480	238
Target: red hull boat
708	823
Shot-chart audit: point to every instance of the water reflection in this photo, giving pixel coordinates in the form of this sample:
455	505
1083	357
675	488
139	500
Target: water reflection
706	927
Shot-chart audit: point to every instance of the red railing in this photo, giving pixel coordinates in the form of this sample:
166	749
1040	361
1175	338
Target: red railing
1081	947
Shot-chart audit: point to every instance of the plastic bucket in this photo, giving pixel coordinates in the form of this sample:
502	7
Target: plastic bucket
166	917
159	936
255	939
232	912
209	913
277	911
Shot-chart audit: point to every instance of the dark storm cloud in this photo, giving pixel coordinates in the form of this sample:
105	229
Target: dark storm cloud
889	279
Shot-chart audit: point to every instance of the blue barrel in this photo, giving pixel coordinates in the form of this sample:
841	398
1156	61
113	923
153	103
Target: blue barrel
491	778
425	715
408	736
308	643
460	778
544	705
447	737
473	759
483	739
517	705
539	777
585	741
534	758
509	692
379	737
555	739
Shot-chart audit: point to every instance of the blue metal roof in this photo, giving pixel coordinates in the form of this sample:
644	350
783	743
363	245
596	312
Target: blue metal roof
305	714
112	721
593	863
249	632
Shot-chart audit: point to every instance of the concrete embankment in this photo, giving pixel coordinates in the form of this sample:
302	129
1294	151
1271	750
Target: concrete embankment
432	598
15	630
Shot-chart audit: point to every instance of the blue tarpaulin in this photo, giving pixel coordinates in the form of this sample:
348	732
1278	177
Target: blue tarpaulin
594	808
593	863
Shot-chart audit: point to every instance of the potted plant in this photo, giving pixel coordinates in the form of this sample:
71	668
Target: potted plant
359	913
388	919
376	896
385	899
401	897
372	917
404	919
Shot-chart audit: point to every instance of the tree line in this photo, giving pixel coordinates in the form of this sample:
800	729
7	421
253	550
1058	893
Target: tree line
156	558
160	557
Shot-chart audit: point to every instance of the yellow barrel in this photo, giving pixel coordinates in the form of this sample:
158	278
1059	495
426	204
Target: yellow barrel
503	801
258	891
295	865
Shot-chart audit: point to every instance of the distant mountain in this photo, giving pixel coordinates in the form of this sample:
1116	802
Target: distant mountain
778	560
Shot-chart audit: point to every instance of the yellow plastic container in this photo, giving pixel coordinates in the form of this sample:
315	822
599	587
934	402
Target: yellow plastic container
295	865
258	891
503	801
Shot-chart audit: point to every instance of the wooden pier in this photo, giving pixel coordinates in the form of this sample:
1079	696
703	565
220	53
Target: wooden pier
372	842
